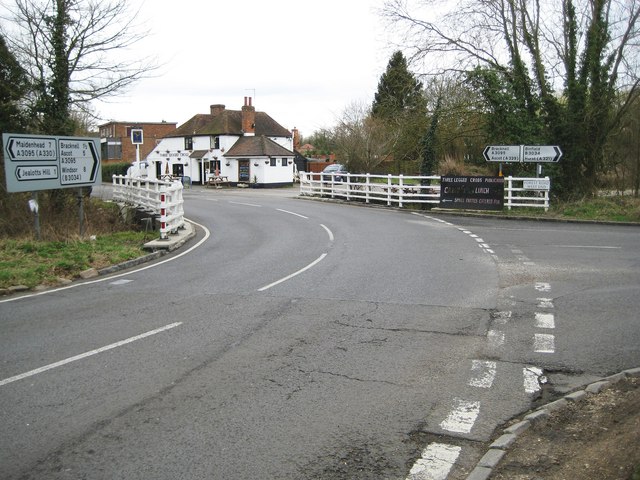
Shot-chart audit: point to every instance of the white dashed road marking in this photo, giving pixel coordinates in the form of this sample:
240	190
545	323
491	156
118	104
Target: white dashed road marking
545	320
544	343
495	338
462	417
435	463
484	373
532	377
545	302
543	287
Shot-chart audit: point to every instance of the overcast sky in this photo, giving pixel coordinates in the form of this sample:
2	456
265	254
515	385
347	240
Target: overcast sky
304	62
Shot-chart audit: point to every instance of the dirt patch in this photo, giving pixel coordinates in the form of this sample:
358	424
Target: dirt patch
597	438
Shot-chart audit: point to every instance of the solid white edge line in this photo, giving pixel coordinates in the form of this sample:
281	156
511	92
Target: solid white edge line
245	204
329	232
207	234
87	354
291	213
289	277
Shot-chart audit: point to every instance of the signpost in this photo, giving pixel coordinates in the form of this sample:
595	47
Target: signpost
522	153
45	162
541	153
502	153
39	162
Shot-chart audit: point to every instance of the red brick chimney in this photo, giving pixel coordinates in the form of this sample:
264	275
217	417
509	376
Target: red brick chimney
248	118
216	109
296	138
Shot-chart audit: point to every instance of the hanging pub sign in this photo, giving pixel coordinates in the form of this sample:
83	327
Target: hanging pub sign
472	193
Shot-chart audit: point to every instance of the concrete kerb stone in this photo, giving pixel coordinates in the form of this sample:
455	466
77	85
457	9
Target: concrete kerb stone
498	449
174	240
518	428
480	473
504	441
538	415
634	372
596	386
576	396
491	458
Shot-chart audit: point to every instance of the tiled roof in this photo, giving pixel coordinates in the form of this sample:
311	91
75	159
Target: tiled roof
198	153
257	146
228	122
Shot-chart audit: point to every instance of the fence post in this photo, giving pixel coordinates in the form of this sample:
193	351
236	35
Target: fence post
400	189
367	188
509	187
163	216
348	186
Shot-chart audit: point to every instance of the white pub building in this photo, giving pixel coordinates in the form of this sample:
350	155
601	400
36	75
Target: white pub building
238	147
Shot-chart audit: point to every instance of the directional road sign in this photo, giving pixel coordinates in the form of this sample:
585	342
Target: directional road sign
79	161
39	162
522	153
541	153
502	153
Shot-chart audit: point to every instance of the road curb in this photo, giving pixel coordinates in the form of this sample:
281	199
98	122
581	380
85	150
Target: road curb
500	447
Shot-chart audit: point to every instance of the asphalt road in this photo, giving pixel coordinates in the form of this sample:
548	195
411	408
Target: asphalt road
302	339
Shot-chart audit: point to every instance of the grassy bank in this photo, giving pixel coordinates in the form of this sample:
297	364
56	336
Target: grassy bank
605	209
30	263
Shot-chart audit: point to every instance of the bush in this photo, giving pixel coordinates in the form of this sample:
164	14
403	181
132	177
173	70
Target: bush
111	169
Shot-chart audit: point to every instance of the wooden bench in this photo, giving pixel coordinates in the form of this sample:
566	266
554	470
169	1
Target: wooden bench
218	181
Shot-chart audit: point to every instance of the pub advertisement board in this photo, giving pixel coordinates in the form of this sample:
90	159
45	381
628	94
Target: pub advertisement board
472	192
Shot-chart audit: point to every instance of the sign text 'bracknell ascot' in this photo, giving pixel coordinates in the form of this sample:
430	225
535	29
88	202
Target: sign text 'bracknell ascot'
39	162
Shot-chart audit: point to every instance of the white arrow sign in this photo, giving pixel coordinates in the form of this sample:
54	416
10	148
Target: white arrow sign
502	153
42	162
541	153
78	161
36	172
25	149
522	153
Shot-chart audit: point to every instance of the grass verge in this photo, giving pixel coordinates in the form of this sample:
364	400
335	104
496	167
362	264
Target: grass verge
610	209
31	263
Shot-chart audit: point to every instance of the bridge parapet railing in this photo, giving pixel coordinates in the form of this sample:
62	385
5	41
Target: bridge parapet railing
162	198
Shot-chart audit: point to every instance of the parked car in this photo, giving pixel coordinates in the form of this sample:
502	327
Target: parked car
339	173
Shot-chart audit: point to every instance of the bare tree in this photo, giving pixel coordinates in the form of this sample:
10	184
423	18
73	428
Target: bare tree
75	51
563	63
362	141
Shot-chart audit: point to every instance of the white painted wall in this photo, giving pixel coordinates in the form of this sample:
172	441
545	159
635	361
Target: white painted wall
171	150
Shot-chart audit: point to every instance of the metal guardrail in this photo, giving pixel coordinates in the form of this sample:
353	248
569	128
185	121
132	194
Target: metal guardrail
159	197
404	189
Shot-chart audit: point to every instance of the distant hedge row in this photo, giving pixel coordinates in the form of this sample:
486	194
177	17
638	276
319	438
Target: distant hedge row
111	169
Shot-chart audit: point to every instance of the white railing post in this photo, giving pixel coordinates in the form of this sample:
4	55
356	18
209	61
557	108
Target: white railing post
163	216
367	188
400	190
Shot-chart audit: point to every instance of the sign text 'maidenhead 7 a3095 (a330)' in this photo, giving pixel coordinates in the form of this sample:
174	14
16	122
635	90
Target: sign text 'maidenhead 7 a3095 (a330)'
45	162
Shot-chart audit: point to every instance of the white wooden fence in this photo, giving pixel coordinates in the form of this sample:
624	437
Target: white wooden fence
159	197
404	189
